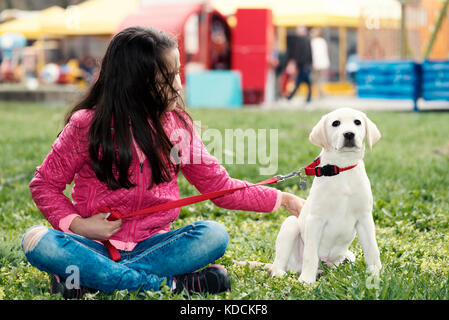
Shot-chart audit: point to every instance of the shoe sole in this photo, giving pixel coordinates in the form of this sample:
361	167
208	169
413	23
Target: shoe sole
219	266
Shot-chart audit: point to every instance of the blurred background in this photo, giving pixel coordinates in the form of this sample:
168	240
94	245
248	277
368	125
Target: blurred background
239	51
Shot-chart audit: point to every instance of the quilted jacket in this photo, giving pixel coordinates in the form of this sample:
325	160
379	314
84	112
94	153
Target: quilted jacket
68	162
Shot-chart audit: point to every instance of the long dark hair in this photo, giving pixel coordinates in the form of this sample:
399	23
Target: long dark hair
132	92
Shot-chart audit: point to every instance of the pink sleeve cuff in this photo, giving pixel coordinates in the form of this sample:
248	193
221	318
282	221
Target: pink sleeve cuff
64	223
278	203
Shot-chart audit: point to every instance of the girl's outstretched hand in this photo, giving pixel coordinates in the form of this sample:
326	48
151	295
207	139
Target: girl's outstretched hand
292	203
95	227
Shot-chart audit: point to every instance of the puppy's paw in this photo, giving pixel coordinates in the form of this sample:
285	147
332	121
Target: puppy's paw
275	272
374	269
306	280
350	256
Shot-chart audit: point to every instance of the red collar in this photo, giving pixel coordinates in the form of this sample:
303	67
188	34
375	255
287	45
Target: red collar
327	170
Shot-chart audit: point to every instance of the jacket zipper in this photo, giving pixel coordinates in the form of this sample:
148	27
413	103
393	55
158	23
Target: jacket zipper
141	189
141	186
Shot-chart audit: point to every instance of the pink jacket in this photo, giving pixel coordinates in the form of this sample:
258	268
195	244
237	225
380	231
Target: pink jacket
69	161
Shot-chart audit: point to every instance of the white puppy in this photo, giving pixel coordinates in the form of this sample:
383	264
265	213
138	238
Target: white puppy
338	206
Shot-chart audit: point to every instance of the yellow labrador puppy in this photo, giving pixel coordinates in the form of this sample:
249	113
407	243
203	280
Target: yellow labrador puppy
340	202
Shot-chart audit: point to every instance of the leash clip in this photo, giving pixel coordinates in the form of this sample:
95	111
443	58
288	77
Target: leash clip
282	178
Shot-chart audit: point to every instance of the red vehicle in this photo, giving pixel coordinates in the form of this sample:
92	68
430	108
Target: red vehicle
207	42
203	34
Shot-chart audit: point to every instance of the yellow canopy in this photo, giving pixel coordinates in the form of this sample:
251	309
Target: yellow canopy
32	25
345	13
93	17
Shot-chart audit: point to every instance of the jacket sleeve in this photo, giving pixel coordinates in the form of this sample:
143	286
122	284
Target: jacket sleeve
203	171
55	173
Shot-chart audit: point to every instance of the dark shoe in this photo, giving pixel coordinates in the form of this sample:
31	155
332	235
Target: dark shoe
59	286
212	279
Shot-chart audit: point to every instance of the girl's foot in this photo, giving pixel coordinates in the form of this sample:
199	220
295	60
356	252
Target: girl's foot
212	279
59	286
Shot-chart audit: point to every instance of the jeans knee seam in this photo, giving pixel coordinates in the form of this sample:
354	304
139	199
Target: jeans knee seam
82	244
170	241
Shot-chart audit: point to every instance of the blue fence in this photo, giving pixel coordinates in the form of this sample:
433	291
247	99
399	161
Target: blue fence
435	80
403	80
388	80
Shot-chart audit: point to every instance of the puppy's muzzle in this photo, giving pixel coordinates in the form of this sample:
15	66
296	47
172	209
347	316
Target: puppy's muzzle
349	141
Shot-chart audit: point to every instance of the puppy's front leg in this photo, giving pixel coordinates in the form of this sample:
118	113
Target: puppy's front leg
313	229
288	234
367	237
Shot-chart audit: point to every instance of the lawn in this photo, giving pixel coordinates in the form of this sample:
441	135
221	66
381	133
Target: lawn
408	169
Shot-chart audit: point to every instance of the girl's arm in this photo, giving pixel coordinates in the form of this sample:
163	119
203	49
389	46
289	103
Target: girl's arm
204	172
56	172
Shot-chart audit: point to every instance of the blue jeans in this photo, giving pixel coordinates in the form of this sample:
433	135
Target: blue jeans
148	266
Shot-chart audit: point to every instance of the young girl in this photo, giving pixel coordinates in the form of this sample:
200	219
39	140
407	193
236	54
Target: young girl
116	148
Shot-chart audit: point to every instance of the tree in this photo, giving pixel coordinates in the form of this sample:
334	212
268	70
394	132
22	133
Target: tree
437	28
404	38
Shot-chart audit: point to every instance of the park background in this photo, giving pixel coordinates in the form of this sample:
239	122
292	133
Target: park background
388	58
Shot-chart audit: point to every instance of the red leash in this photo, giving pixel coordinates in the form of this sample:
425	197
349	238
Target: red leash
115	215
312	169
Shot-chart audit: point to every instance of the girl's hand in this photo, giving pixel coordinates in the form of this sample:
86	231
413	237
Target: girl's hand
95	227
292	203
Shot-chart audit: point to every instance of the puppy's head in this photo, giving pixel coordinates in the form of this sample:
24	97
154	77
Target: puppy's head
344	130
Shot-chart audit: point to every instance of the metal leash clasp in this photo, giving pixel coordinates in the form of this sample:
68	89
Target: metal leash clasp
290	175
302	178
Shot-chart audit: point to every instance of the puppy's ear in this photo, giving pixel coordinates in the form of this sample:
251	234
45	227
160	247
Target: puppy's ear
318	135
372	133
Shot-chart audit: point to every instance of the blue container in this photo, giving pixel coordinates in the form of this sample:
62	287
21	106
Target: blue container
218	88
435	80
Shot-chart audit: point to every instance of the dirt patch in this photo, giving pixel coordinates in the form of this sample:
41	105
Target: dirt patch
444	151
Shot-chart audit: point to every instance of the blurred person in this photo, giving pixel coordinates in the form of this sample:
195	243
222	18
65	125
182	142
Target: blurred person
29	62
300	52
287	75
88	65
18	71
352	64
320	58
279	71
271	88
220	50
117	147
8	70
270	84
70	72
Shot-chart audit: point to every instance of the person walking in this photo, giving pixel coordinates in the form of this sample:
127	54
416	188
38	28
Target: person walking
320	57
299	50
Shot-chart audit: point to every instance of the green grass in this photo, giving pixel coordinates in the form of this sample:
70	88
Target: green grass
411	210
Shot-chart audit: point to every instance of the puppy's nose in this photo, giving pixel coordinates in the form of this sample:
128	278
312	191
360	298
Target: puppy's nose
349	135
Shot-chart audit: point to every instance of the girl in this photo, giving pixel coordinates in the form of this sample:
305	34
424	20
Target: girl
116	147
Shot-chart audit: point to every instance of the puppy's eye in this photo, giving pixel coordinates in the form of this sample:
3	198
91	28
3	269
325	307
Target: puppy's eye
336	123
357	122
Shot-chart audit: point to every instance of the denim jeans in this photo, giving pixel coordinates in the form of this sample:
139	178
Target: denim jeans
151	263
